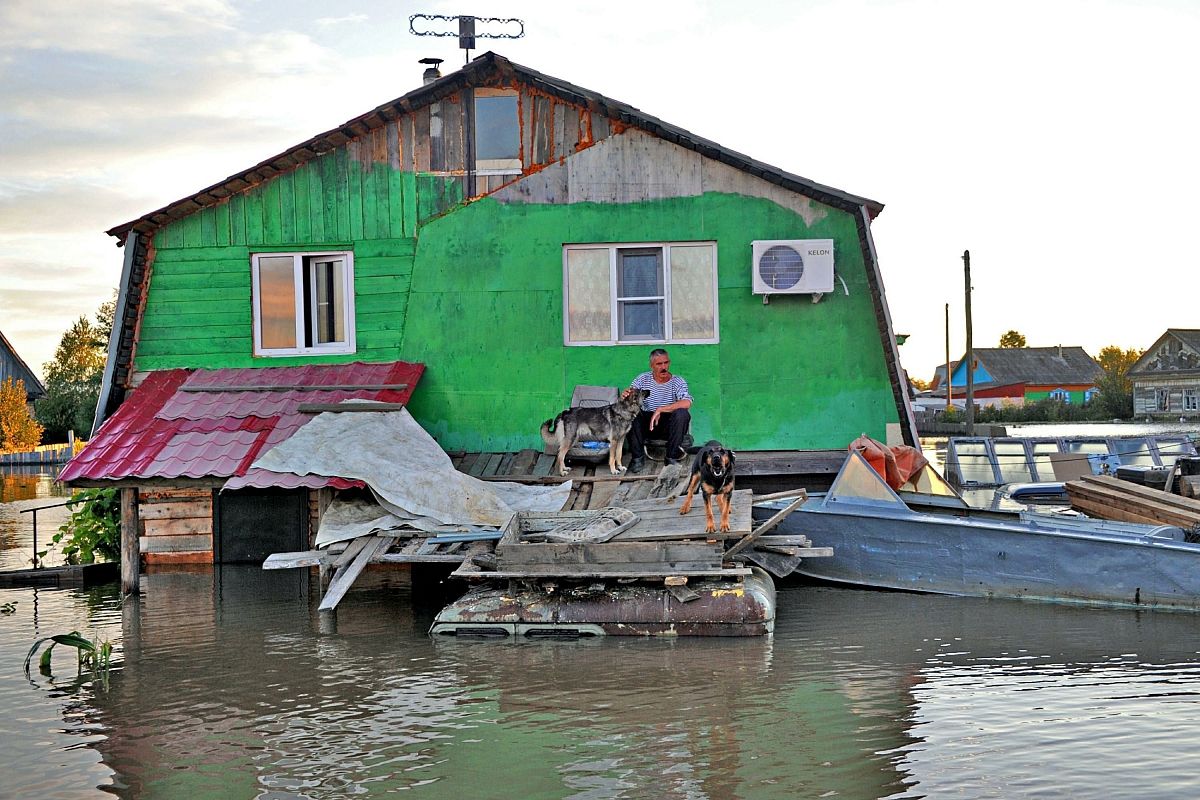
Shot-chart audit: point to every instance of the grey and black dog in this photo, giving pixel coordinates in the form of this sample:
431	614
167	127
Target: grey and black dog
609	423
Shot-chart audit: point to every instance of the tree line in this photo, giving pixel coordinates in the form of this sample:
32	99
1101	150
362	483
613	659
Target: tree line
72	380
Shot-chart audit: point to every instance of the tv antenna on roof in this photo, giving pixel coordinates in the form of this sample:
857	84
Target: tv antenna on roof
504	28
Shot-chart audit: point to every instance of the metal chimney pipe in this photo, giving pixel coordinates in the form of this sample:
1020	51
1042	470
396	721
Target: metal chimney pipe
432	73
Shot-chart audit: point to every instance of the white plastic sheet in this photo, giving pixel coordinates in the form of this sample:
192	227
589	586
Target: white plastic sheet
410	475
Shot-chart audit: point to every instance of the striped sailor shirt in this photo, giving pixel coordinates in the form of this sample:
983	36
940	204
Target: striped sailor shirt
661	394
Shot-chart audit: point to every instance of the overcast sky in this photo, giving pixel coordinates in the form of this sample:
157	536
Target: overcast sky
1054	139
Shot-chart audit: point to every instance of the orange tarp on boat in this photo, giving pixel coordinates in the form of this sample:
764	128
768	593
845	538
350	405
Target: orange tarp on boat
897	465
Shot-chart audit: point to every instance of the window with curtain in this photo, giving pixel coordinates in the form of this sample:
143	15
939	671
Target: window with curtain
637	293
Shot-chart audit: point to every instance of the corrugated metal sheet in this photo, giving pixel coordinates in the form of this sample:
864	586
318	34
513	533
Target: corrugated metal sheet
180	424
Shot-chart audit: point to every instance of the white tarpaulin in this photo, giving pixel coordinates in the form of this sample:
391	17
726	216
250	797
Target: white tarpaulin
409	473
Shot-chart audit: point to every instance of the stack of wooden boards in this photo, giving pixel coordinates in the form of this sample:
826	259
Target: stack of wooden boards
659	544
641	540
1105	497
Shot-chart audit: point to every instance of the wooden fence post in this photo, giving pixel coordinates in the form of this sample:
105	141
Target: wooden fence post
130	552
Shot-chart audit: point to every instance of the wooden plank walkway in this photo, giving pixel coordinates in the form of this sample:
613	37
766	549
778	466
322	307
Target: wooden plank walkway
653	495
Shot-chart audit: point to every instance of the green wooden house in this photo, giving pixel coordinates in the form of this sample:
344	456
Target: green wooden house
519	235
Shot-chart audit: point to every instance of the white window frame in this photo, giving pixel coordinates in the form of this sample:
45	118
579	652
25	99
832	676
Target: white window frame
300	260
1191	400
1162	399
1061	394
613	301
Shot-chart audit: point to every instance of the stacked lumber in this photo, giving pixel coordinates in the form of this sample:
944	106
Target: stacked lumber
1106	497
659	544
1189	486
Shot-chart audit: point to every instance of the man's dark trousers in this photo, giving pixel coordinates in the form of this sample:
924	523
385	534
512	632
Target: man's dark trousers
672	425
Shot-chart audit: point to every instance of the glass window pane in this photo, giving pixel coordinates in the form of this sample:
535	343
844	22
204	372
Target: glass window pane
1170	449
277	302
1086	447
589	294
974	464
1041	459
641	320
1014	466
329	301
693	305
1134	452
497	133
639	273
857	481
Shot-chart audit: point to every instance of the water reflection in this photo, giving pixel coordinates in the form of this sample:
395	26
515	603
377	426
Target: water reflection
23	489
228	688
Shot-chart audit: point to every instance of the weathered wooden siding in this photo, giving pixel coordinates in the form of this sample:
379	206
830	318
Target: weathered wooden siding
177	526
1145	395
12	366
370	196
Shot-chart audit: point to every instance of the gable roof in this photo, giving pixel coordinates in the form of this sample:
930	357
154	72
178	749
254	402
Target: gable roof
477	73
1153	360
1038	365
13	366
1189	336
213	424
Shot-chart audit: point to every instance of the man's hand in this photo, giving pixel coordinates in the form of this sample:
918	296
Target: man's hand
654	419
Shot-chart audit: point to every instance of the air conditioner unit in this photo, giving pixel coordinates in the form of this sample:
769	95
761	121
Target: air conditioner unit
793	266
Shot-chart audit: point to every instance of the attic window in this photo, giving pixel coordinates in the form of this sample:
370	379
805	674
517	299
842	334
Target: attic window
497	132
303	303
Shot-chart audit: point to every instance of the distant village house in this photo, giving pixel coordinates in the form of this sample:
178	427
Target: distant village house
1166	379
14	367
1019	375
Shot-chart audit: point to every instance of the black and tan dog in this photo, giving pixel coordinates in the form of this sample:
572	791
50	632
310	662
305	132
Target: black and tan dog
712	471
609	423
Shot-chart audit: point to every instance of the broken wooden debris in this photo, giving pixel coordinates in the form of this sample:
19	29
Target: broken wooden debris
346	575
596	526
767	526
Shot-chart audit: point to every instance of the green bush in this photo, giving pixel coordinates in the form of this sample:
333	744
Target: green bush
93	529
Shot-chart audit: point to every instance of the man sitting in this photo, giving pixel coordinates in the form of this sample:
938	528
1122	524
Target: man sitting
667	405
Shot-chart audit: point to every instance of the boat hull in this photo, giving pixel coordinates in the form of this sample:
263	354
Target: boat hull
961	556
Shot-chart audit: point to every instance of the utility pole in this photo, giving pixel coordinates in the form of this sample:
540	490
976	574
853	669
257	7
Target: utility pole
949	388
970	357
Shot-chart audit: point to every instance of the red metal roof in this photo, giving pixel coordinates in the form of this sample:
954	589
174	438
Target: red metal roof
214	423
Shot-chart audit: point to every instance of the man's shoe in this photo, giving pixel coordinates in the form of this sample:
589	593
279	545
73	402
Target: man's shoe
637	464
670	462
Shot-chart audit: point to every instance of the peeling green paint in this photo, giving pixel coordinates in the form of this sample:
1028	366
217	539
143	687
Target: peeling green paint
791	374
476	294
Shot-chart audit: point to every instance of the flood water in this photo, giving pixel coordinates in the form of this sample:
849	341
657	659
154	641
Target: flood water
226	687
227	684
23	489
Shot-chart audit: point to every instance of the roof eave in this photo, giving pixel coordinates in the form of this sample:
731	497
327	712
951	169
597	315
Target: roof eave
473	74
